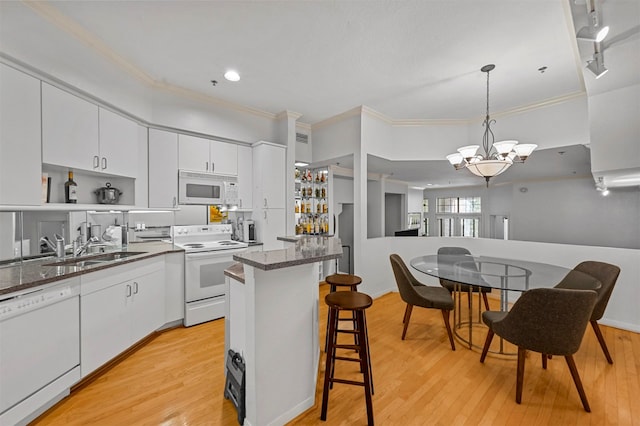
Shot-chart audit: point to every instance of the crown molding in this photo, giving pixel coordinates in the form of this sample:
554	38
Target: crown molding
303	126
52	14
336	118
288	114
195	95
538	105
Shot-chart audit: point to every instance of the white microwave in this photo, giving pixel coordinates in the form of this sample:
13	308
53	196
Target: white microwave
207	188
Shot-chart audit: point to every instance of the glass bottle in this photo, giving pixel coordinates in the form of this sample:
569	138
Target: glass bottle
70	190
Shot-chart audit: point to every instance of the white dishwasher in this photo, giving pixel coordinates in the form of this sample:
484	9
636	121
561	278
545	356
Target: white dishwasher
39	349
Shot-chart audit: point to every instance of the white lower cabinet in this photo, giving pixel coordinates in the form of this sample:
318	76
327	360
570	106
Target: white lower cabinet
118	307
174	287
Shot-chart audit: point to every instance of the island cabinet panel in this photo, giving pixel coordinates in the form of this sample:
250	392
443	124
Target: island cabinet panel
119	307
20	158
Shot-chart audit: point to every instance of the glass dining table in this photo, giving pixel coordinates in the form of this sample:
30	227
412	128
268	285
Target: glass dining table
502	274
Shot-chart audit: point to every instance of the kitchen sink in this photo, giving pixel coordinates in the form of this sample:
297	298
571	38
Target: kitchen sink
96	259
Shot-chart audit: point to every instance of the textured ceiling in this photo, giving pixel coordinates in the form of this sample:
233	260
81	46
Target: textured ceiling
405	59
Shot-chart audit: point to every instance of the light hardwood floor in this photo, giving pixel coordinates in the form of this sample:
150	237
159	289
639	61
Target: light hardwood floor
178	379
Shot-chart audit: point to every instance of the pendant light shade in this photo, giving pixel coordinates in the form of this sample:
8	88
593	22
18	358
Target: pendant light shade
497	157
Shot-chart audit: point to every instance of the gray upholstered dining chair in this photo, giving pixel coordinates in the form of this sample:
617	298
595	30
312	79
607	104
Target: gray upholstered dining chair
547	320
607	274
448	255
414	293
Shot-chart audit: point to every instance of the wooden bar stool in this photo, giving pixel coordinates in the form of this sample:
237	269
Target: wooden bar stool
342	280
357	303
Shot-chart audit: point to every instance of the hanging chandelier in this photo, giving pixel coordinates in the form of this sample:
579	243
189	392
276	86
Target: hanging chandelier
497	157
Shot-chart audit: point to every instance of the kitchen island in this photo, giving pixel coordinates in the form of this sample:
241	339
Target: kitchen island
272	321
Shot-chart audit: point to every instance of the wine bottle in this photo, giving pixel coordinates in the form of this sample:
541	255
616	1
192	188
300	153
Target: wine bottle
70	190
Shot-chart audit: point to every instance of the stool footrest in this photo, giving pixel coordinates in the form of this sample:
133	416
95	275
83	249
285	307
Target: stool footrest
347	382
346	358
347	331
352	347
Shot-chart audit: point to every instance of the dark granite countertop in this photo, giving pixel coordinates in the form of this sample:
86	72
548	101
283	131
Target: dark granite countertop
307	249
235	271
296	238
32	273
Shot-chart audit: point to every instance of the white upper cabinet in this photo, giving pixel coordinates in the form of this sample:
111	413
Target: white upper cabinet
163	169
20	159
269	176
245	177
193	153
69	130
80	135
224	158
118	144
207	155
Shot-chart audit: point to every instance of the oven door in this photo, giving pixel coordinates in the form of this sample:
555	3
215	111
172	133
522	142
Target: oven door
204	273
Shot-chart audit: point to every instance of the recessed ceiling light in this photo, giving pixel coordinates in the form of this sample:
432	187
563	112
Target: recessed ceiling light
232	75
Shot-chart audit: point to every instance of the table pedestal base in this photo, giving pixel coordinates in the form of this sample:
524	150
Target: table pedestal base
473	325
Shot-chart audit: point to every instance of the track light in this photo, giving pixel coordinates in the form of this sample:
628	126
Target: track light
596	65
593	31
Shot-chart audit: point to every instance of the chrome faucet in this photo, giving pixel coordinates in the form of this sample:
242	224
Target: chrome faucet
85	246
58	247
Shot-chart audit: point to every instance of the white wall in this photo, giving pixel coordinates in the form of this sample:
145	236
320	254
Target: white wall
205	116
614	119
571	212
565	211
337	139
414	200
375	209
622	312
561	124
426	142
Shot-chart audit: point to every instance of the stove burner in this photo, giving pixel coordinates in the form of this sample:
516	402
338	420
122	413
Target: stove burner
194	245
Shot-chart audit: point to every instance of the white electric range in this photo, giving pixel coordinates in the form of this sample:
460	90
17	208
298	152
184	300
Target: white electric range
209	250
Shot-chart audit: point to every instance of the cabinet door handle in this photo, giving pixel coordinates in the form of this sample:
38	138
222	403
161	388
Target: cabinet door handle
128	290
104	163
174	201
265	202
96	161
265	215
206	167
213	166
135	287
